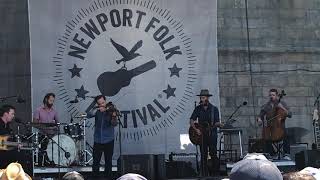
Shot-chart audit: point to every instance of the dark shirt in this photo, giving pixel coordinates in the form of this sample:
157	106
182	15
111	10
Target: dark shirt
4	128
103	130
209	115
269	106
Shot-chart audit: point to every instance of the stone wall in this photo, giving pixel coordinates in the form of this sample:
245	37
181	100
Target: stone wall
284	41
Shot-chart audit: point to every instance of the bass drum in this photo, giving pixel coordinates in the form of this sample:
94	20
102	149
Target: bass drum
67	148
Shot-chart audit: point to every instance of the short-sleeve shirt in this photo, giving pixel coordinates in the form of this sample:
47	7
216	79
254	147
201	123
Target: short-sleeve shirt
44	115
209	115
268	107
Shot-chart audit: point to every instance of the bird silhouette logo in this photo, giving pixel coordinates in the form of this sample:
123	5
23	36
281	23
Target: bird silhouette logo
127	55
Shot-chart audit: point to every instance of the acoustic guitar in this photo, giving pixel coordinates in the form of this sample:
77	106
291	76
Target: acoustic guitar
5	144
205	128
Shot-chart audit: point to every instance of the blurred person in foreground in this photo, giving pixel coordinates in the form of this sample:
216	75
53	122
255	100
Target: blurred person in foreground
255	167
73	175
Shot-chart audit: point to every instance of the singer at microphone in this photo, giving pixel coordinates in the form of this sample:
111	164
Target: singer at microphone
206	115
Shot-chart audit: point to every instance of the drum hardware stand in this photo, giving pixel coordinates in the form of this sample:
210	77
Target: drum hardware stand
35	147
85	152
315	124
118	115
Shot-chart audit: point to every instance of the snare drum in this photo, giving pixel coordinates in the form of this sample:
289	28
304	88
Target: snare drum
67	147
74	130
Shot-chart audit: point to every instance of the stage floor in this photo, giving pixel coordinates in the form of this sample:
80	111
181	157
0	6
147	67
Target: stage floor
283	165
54	170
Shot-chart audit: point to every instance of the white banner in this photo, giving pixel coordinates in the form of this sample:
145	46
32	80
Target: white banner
150	58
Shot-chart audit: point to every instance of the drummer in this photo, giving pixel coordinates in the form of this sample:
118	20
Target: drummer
46	114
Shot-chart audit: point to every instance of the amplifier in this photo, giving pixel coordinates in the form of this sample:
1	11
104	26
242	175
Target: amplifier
296	148
147	165
307	158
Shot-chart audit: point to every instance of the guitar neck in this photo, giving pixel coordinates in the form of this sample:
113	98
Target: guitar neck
143	68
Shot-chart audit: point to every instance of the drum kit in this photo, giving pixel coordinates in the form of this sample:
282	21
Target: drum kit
59	149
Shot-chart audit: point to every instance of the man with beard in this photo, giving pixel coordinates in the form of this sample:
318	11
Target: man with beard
268	108
46	114
207	115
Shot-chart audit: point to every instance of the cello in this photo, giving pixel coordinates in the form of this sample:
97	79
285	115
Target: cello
275	128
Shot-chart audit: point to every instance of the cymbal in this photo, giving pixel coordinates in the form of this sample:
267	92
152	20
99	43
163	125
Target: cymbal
81	116
37	124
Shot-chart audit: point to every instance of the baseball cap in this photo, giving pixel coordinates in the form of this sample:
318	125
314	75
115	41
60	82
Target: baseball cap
255	167
132	176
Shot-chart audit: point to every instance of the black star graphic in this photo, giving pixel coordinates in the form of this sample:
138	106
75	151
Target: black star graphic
75	71
169	91
81	92
175	70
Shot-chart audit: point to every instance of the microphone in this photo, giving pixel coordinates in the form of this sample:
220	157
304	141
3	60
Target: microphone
18	120
20	100
74	101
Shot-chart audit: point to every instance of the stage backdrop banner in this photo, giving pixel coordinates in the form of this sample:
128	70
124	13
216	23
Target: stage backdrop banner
150	58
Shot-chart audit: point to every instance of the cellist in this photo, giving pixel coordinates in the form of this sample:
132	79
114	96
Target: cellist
268	108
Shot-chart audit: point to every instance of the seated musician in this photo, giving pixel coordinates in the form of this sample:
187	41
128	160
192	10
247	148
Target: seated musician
7	113
269	107
46	114
207	115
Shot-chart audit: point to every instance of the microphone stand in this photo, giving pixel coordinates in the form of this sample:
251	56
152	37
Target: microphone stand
197	152
2	99
235	111
120	140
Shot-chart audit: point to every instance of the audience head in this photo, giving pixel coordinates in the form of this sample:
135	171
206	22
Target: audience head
131	176
315	172
255	167
297	176
72	176
14	171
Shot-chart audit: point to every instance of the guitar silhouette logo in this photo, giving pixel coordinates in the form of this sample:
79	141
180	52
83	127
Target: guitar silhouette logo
110	83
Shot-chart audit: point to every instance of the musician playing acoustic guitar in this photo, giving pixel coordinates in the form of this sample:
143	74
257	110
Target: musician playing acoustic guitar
268	114
7	113
207	115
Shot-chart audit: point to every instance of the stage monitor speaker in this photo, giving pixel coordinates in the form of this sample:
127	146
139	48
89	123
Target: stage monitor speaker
296	148
180	169
307	158
147	165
